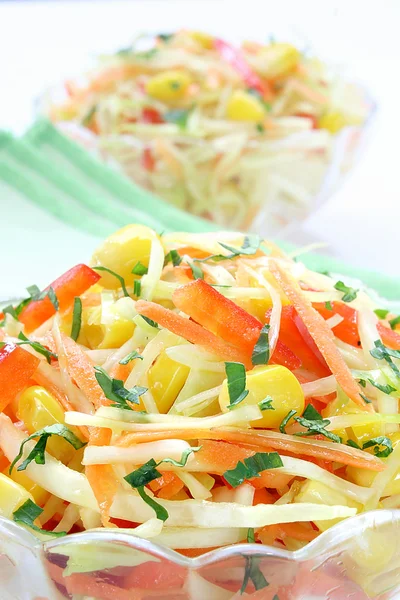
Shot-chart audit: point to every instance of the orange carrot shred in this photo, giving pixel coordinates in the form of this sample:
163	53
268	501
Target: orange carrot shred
101	478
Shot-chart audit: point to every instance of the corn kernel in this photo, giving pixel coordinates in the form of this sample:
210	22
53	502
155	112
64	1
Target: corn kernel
332	121
37	409
166	379
280	60
121	251
275	381
12	496
318	493
168	86
243	106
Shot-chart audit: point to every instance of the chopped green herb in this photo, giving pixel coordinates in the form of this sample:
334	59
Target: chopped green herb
252	467
175	85
315	425
260	128
381	313
282	426
178	116
350	293
86	119
197	271
260	354
76	318
165	37
114	274
139	269
366	400
150	322
353	444
250	246
115	390
376	443
161	512
131	356
394	322
38	452
250	535
144	474
381	352
33	291
252	572
236	382
147	54
173	256
38	347
52	297
266	404
137	288
27	515
386	388
362	382
328	305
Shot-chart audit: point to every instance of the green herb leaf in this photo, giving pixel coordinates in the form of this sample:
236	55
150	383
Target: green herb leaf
144	474
139	269
250	535
353	444
86	119
165	37
366	400
33	291
266	404
115	390
328	305
252	467
282	426
350	293
178	116
53	298
137	288
236	381
28	513
161	512
381	313
197	271
260	128
131	356
377	442
150	322
114	274
76	319
37	346
37	453
312	413
184	458
252	572
394	322
386	388
250	246
260	355
381	352
173	256
315	425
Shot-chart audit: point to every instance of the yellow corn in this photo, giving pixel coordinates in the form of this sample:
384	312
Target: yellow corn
318	493
204	39
168	86
166	379
121	251
39	495
37	409
12	496
279	60
243	106
275	381
332	121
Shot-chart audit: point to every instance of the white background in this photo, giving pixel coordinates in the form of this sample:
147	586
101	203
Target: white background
42	42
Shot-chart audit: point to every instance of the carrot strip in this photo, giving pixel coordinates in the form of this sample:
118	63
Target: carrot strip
191	331
297	531
121	372
101	478
321	334
167	485
390	338
262	442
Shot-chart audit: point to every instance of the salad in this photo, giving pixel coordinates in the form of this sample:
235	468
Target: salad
199	390
221	131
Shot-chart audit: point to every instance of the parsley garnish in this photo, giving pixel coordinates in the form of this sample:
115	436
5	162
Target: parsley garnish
328	305
137	288
115	390
395	321
376	443
315	425
381	352
139	269
150	322
260	354
37	346
386	388
282	426
161	512
353	444
252	467
252	570
178	116
251	244
236	382
131	356
350	293
119	277
37	453
381	313
197	271
266	404
76	319
28	513
173	256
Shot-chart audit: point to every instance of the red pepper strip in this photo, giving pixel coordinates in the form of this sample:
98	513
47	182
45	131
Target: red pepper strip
390	338
147	161
227	320
235	58
151	115
347	330
291	336
71	284
16	369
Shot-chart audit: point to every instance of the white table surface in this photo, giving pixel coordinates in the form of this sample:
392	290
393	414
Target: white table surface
42	42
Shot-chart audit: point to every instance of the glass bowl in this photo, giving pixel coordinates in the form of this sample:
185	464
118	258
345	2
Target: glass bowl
358	559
